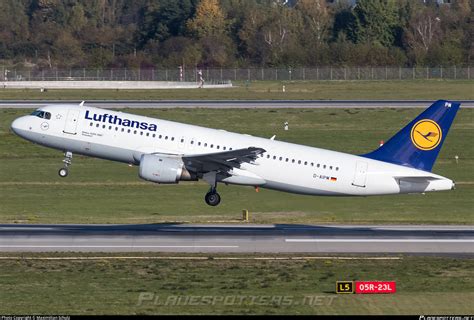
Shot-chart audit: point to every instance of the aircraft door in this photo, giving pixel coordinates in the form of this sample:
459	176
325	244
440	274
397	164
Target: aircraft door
360	176
71	121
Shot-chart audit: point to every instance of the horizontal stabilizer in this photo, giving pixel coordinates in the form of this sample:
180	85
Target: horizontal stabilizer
412	179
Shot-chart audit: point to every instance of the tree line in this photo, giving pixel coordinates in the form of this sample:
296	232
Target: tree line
234	33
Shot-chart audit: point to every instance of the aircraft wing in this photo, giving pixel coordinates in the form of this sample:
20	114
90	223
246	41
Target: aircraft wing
221	161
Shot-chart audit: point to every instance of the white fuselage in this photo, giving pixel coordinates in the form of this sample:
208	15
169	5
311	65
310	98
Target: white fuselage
284	166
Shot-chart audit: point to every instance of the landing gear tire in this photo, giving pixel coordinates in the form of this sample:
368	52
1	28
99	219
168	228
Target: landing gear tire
213	198
63	172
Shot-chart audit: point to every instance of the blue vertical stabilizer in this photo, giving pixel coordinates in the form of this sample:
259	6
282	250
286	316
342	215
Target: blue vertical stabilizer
418	144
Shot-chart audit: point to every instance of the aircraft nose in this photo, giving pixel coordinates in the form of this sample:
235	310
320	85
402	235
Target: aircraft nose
17	125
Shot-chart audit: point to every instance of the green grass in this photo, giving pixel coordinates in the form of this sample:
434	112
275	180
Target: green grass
272	90
99	191
425	285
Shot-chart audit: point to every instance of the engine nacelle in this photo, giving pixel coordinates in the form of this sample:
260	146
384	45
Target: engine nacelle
163	169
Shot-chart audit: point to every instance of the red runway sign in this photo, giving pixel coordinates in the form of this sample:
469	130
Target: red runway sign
368	287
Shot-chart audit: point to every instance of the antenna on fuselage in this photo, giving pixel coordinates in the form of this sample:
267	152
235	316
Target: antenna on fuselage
273	137
81	104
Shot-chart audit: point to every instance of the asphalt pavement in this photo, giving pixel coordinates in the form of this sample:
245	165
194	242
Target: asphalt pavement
239	238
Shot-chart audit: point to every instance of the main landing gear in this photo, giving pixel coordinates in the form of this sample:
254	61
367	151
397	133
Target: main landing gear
212	197
63	172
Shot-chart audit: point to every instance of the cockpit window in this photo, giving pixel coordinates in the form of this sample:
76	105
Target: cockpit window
42	114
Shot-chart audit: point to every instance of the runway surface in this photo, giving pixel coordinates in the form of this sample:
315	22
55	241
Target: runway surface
231	104
238	238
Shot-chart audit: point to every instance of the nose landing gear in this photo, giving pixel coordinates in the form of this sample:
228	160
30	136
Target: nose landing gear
63	172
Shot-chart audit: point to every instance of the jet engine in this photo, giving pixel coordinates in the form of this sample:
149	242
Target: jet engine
162	169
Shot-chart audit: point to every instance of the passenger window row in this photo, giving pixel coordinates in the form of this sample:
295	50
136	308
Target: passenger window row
147	134
218	147
205	144
306	163
154	135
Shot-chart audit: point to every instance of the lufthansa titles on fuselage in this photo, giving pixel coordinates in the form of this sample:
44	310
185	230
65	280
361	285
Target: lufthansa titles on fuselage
120	121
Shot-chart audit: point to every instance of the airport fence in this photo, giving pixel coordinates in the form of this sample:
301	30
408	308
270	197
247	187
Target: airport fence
218	75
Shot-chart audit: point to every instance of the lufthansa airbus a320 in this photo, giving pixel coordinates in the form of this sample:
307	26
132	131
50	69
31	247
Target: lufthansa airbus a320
169	152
